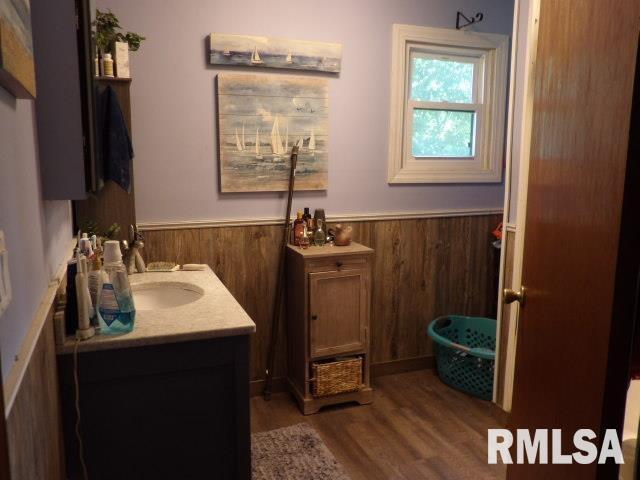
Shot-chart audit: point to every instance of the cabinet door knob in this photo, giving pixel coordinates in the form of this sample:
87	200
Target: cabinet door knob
314	317
338	264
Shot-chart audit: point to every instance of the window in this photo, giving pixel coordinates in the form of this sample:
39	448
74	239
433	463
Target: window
448	103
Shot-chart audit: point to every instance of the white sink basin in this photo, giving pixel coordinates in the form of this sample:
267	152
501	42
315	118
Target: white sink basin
161	295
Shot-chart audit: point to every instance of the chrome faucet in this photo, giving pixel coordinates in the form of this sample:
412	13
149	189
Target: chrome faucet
135	261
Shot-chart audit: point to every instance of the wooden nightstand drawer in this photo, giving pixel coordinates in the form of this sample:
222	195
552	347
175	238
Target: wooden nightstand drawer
335	263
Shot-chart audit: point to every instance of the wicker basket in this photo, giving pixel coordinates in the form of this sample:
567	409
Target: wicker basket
339	376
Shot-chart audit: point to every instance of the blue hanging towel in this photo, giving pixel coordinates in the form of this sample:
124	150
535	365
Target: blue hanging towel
115	151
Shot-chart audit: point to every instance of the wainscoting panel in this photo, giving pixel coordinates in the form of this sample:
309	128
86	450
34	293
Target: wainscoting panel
422	268
33	427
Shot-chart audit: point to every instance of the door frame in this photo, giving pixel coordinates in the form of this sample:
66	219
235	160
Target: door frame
525	11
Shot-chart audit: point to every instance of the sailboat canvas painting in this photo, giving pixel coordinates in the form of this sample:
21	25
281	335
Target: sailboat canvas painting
260	119
253	51
17	70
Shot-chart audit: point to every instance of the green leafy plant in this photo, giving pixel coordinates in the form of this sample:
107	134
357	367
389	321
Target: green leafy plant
108	32
90	227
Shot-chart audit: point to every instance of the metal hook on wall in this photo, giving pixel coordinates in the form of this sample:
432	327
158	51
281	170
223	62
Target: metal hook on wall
476	18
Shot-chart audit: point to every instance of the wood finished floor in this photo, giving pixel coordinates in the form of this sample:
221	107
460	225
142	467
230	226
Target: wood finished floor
416	428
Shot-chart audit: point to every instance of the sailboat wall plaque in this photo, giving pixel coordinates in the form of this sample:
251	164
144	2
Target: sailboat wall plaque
252	51
283	111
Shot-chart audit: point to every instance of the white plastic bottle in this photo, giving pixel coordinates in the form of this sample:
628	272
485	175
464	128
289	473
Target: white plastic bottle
116	311
107	65
97	277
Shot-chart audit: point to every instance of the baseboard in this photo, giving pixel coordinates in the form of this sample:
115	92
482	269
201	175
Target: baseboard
256	387
402	365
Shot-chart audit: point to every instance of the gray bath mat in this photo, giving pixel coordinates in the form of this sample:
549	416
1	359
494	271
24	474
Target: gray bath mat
293	453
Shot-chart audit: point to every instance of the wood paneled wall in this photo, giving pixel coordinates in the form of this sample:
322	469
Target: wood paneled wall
111	204
33	427
422	268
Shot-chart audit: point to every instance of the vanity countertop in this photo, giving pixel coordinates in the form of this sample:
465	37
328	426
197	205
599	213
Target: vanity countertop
215	314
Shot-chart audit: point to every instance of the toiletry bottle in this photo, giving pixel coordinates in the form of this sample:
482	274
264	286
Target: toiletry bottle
304	239
116	310
319	215
107	63
319	237
309	222
86	247
306	216
311	226
85	308
298	228
71	307
97	278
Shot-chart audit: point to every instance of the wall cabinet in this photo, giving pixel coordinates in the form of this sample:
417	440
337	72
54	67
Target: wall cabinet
328	308
64	100
66	115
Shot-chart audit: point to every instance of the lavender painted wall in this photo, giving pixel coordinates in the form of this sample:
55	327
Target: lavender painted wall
37	233
173	103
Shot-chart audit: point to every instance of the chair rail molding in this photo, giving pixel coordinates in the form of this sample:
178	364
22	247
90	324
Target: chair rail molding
346	217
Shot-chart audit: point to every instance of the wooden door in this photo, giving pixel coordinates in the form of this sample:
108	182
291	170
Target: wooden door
337	312
583	91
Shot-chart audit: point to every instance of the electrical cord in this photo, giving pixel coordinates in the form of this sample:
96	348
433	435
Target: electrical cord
76	382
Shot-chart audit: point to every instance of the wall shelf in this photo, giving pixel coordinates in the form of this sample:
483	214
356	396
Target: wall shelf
114	79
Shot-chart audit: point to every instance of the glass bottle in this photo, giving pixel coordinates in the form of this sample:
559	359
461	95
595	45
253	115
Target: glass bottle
311	227
306	215
304	240
319	237
319	215
298	227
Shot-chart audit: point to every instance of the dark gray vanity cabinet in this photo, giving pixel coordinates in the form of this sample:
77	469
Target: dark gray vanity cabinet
170	411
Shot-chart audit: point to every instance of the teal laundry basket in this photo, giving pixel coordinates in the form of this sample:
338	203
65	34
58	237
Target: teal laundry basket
465	353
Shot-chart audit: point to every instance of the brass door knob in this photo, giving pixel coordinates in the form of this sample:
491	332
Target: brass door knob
510	296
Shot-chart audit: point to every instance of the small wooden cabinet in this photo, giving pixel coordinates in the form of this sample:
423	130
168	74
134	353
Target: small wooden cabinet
328	308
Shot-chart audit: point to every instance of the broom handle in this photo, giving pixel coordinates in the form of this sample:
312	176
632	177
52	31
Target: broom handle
277	304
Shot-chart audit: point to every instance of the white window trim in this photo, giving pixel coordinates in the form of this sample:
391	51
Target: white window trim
486	164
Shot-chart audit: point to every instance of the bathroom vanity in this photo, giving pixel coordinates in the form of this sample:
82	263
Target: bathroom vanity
171	398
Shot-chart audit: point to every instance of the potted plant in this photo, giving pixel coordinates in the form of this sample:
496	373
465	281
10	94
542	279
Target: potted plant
107	32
